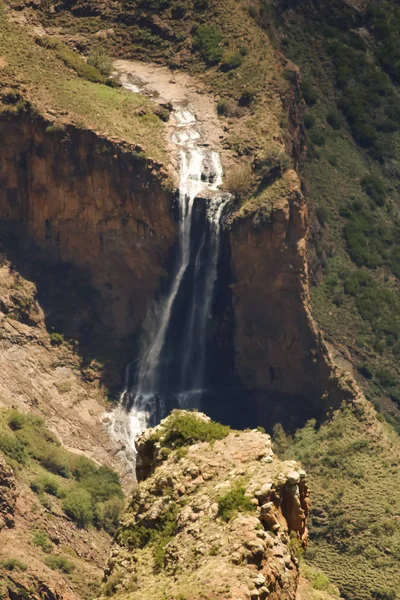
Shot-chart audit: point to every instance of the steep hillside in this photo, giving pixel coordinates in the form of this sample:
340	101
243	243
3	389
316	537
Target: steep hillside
348	55
353	466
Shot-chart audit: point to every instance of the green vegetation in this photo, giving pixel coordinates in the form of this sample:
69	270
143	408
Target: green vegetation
90	495
55	79
100	60
60	563
13	564
351	173
185	429
72	59
157	533
233	502
352	462
207	40
41	539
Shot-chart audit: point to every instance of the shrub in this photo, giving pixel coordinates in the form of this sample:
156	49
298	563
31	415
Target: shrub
274	162
290	76
375	188
206	41
13	448
99	59
41	539
333	120
60	563
16	420
309	93
54	459
253	11
78	506
365	370
247	97
108	514
386	378
46	484
102	484
184	429
309	121
56	339
238	182
226	107
233	501
317	138
230	61
12	564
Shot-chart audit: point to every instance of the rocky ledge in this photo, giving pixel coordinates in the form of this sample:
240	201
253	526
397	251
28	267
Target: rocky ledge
218	518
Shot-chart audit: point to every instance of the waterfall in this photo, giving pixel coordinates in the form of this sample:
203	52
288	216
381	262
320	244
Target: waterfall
171	367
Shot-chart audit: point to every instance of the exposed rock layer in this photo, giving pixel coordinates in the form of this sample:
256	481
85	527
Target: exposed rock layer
84	200
206	554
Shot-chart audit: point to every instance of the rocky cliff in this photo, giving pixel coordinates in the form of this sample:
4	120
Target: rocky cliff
216	516
96	205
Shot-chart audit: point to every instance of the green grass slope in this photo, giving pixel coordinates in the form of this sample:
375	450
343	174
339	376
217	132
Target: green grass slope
58	83
353	464
348	59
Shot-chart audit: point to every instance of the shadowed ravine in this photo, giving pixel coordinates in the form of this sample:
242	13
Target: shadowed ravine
170	369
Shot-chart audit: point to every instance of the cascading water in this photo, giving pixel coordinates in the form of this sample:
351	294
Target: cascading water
171	367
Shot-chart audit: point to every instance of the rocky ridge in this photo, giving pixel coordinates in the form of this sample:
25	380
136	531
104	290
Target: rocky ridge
215	519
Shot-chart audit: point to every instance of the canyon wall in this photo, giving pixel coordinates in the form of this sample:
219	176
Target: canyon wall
101	207
279	354
92	203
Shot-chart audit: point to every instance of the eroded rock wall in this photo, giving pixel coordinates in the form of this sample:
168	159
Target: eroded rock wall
279	354
85	200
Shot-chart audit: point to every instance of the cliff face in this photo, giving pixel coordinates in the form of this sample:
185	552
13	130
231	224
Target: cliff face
214	518
86	201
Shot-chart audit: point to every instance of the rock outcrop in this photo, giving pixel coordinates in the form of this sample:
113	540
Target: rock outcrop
213	520
92	203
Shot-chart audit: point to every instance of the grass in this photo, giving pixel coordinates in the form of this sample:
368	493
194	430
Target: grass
89	494
233	502
185	429
352	462
353	188
49	85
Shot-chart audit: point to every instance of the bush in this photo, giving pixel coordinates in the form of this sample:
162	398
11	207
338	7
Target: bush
46	484
102	484
230	61
99	59
206	41
184	429
41	539
108	514
14	564
375	188
365	370
238	182
333	120
247	97
233	501
309	93
317	138
56	339
54	459
78	506
13	448
386	378
16	420
60	563
226	107
309	121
